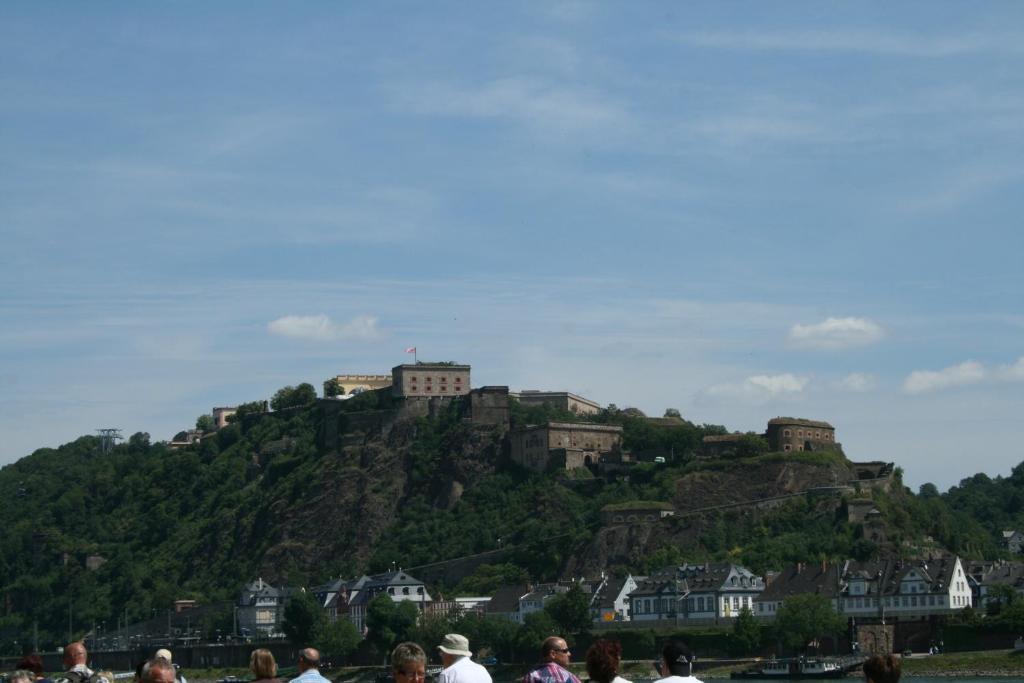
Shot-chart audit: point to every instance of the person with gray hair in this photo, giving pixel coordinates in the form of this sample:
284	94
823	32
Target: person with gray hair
409	663
157	670
21	676
309	667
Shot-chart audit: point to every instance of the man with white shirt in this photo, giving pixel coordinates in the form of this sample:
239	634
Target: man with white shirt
458	667
309	667
676	664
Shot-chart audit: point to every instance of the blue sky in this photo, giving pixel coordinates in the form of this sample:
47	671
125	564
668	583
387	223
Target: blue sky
740	210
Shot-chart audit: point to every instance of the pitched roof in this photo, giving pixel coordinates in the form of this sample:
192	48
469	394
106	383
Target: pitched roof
708	576
506	598
608	592
796	579
1005	573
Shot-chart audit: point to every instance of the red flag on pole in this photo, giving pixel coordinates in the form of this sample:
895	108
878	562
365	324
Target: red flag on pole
411	349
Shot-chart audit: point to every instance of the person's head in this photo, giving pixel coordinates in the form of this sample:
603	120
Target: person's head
164	653
603	659
676	659
555	649
22	676
309	658
75	654
33	663
409	663
157	670
262	664
452	648
882	669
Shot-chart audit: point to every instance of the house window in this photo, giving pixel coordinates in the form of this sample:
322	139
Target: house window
700	604
787	447
817	435
800	433
405	591
786	432
735	602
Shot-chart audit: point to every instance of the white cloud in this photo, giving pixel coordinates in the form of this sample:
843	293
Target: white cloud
836	333
856	382
761	387
966	373
322	328
1012	373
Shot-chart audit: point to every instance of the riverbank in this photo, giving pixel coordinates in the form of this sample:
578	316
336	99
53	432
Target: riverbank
1004	663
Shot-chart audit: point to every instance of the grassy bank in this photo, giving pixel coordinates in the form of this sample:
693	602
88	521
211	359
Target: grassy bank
983	663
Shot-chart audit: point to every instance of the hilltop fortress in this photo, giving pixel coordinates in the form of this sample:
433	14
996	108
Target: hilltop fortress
424	389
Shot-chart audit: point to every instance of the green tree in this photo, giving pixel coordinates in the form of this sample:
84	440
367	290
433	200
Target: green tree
805	618
303	619
332	387
672	412
536	627
388	622
205	423
750	445
746	633
293	397
570	610
250	408
338	639
489	577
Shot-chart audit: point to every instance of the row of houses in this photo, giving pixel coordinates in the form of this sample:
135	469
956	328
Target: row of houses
260	607
697	594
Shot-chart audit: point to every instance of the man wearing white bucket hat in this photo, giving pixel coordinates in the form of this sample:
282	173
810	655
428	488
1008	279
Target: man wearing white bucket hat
458	667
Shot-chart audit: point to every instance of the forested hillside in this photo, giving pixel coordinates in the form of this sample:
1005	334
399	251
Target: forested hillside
265	497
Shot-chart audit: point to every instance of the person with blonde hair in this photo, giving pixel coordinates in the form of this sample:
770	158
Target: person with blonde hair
263	666
409	663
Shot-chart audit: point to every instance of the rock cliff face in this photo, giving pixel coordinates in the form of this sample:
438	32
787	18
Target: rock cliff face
628	544
745	483
356	492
